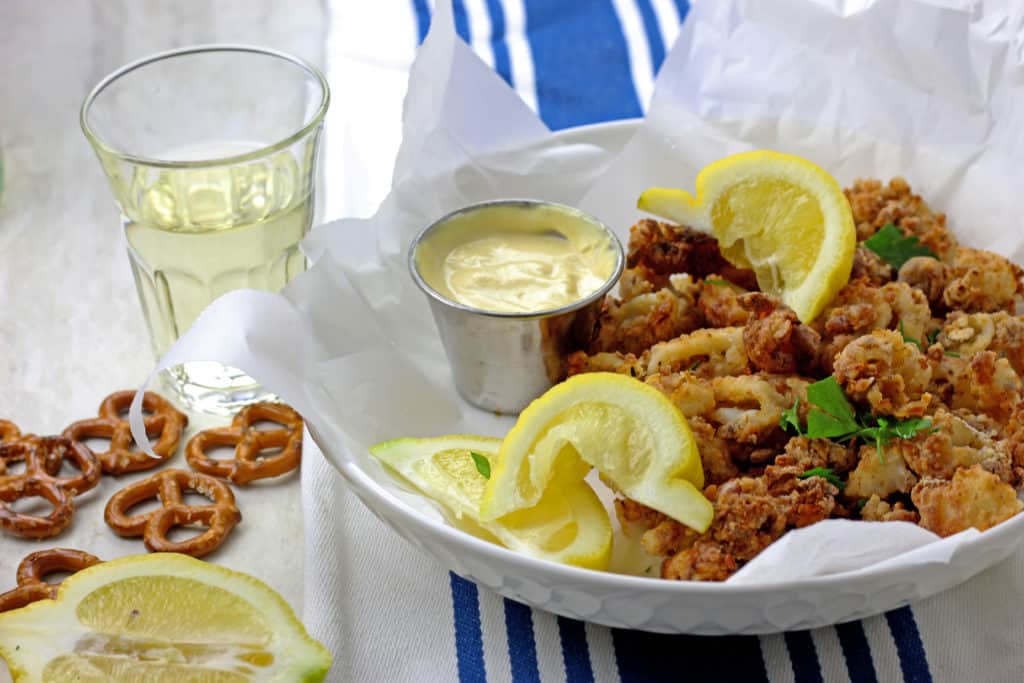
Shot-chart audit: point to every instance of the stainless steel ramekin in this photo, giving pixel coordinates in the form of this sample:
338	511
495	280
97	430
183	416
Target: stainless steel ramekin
502	361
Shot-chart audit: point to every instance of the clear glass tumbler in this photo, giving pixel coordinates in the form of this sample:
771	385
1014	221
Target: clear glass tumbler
211	153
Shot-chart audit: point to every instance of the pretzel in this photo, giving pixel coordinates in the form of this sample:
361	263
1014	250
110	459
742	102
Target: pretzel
32	572
34	526
9	431
43	458
167	486
165	421
246	465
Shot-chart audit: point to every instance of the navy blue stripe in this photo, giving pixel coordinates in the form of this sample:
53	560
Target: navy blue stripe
856	652
658	657
909	647
522	648
469	640
581	63
575	653
803	656
502	61
654	41
461	19
683	8
422	11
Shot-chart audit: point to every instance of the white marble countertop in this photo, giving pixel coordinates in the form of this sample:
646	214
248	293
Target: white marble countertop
71	329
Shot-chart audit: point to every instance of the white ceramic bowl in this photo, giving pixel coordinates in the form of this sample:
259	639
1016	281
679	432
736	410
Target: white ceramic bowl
653	604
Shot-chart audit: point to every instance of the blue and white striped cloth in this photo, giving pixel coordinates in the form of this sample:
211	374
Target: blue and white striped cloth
389	614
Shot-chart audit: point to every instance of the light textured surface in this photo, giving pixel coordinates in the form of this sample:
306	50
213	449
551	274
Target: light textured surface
71	330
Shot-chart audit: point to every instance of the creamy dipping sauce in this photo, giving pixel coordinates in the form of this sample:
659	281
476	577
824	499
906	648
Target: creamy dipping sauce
517	258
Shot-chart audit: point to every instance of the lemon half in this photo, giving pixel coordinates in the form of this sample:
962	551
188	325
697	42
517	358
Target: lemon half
160	617
570	525
778	214
630	432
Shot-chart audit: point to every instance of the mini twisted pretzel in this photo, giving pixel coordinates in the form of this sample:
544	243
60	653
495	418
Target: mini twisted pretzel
32	572
166	422
246	465
9	431
34	526
167	486
43	457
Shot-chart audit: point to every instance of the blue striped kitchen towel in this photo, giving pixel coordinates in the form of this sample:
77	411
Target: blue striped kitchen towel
389	614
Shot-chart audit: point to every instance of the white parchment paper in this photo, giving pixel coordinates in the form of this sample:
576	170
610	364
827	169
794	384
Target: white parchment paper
928	90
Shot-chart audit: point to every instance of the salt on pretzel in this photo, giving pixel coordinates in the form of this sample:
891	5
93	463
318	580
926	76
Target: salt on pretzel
43	457
220	517
165	422
32	573
249	442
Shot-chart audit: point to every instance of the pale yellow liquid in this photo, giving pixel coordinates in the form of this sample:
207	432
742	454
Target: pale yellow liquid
194	235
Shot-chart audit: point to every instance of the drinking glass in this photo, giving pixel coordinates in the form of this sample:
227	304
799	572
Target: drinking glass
210	152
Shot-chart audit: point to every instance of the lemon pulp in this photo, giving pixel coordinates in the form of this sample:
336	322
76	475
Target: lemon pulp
778	214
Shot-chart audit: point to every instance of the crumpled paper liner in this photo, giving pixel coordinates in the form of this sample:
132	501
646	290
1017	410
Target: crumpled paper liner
351	344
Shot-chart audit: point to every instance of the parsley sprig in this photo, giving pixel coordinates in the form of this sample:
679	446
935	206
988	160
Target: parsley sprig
825	473
895	248
832	417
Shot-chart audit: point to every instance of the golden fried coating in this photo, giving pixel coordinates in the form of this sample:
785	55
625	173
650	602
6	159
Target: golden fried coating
708	352
719	304
810	453
889	374
714	452
665	249
928	275
968	333
869	266
974	497
984	384
879	476
775	340
640	280
633	325
875	205
747	408
954	443
750	514
983	282
877	510
691	394
623	363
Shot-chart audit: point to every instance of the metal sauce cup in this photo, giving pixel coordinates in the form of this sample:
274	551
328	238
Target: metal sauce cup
501	361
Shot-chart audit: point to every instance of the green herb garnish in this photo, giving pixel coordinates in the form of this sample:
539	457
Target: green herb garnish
483	465
952	354
696	364
717	281
825	473
859	505
895	248
832	417
933	336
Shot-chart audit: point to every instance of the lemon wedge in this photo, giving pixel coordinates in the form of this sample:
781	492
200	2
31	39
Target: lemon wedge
778	214
160	617
631	433
570	525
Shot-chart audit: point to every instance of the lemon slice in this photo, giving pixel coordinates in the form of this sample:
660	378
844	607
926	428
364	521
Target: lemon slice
779	214
570	526
160	617
630	432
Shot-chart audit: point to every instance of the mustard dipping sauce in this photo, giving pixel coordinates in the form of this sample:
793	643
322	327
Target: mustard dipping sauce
517	258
